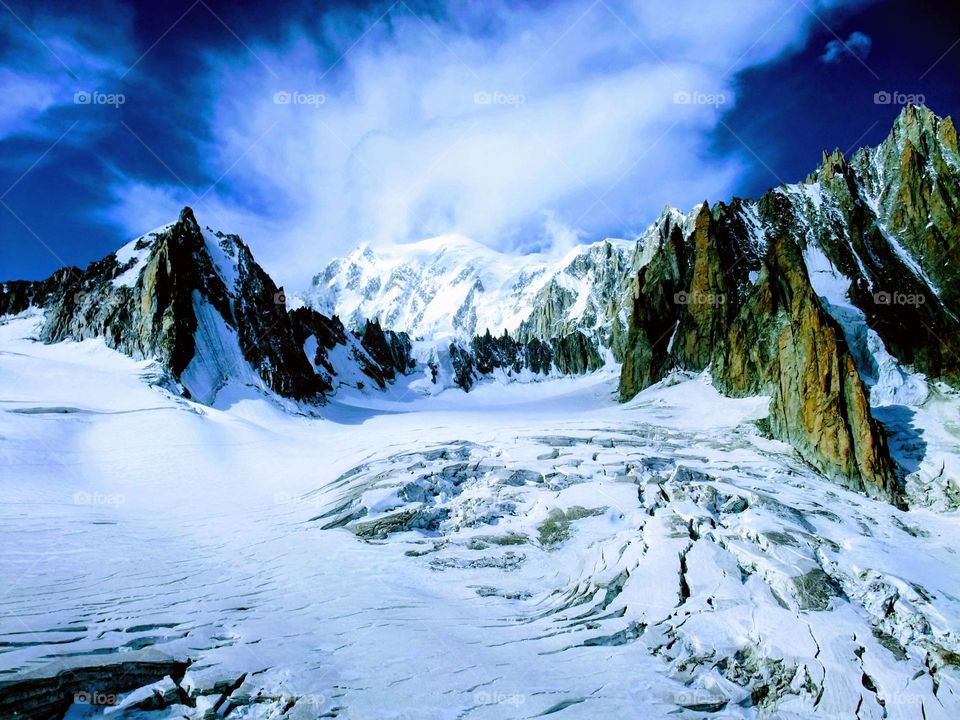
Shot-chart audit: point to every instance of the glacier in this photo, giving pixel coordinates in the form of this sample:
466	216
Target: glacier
518	551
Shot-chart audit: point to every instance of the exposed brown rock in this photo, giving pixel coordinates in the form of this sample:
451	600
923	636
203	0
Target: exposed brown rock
881	229
784	344
693	310
919	195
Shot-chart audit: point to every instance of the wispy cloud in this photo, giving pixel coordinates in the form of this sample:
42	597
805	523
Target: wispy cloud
857	44
523	126
50	64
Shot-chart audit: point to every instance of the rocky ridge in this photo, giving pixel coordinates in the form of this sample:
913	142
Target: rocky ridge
485	356
827	295
195	301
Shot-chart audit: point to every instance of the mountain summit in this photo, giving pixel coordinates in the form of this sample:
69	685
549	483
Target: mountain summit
195	301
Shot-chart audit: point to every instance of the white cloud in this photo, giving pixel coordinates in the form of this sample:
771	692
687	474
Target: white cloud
857	44
517	127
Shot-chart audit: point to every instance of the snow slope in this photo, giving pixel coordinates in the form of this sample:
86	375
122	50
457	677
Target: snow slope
513	552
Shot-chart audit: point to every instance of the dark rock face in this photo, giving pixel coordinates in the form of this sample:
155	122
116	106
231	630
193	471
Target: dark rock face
695	308
198	303
914	175
329	332
491	353
152	318
184	289
381	355
575	354
909	190
18	295
688	293
572	354
776	297
265	332
389	349
655	315
463	366
865	236
605	268
48	696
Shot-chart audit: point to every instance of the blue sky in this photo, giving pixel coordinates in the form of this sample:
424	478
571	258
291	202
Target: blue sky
308	128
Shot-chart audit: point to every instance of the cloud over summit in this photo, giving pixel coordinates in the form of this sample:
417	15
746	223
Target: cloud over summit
521	125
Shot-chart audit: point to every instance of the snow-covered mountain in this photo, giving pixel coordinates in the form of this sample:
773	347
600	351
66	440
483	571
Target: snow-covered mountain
518	551
812	295
454	287
197	303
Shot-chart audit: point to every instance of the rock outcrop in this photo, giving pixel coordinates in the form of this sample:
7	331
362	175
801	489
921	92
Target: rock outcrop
49	693
583	304
378	354
696	308
19	295
831	296
911	183
783	343
825	295
195	301
572	354
389	349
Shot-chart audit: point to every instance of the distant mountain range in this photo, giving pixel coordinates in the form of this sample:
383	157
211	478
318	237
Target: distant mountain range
835	297
453	287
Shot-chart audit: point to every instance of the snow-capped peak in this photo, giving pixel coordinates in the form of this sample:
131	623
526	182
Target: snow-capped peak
451	286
